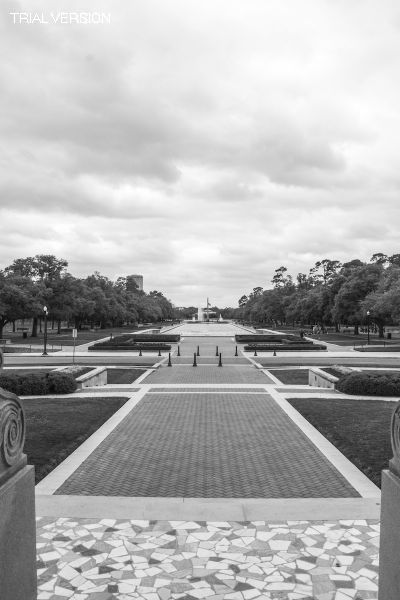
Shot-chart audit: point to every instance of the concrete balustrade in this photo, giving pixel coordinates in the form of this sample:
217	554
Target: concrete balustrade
17	506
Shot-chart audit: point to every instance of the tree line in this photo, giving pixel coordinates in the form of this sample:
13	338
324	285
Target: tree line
330	294
29	284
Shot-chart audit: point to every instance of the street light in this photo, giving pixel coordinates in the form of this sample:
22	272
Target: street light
45	310
368	313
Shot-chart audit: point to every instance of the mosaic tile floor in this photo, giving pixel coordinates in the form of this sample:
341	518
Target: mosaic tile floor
86	559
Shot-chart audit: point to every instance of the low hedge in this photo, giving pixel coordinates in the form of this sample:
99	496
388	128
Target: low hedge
369	384
150	347
284	347
143	337
38	384
268	337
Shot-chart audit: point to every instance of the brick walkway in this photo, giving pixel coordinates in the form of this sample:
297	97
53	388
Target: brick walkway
210	360
216	445
208	374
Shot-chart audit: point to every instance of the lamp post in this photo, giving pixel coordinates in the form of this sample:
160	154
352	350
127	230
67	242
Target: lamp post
368	313
45	310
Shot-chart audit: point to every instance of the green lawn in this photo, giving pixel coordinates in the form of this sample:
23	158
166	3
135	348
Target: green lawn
359	429
119	376
290	376
56	427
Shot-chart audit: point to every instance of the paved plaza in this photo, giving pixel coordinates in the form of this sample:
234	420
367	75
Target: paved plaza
218	446
207	484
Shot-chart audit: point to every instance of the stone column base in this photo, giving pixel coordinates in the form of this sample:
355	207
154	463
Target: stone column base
18	579
389	556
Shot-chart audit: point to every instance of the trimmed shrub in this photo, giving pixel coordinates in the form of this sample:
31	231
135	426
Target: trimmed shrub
243	338
370	384
142	337
150	347
61	383
32	384
284	347
38	384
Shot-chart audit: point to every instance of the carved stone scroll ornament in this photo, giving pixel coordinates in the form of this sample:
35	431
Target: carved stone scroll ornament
12	433
394	464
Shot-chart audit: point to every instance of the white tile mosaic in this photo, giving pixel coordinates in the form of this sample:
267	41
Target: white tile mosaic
168	560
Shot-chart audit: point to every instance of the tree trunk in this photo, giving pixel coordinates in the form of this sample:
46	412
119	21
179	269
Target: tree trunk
13	326
59	326
356	332
40	324
34	327
380	330
337	327
2	323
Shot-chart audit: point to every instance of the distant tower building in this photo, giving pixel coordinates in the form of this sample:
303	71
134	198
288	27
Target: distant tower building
138	279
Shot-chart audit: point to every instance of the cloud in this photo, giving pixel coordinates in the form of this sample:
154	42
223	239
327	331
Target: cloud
203	145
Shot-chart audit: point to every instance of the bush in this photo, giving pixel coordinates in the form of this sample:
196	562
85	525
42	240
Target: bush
38	384
284	347
150	346
370	384
61	383
142	337
269	337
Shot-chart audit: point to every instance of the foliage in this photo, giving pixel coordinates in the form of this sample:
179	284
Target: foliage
29	284
38	384
331	294
370	384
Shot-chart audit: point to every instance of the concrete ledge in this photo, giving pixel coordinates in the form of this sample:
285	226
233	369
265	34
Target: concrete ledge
207	509
319	378
93	378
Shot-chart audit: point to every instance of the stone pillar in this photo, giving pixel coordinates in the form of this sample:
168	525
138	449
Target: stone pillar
17	506
389	554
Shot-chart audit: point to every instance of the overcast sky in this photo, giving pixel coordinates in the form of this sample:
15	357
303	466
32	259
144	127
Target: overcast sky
201	143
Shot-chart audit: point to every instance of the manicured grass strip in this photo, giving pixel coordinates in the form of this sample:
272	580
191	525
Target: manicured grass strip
119	376
56	427
289	376
359	429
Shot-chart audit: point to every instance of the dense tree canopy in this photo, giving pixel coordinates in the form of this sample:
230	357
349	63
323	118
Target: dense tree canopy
331	294
29	284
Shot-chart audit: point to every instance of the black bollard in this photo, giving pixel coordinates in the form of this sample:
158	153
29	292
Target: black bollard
159	352
179	350
194	360
274	354
255	351
198	350
220	360
169	360
236	352
216	351
140	352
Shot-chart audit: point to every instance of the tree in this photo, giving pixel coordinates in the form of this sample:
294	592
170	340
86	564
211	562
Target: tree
384	302
324	271
17	298
360	281
379	258
43	270
280	278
